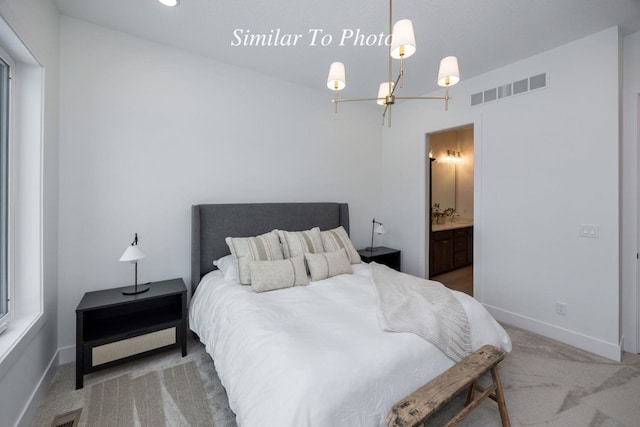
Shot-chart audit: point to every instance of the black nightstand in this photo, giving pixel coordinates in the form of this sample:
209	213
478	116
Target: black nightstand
112	328
382	255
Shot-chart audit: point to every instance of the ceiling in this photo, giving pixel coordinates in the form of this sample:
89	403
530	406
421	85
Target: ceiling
484	35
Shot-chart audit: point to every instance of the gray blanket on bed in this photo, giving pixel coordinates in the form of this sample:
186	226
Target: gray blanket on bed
426	308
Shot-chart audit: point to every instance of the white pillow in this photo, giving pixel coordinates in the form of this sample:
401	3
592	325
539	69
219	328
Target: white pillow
272	275
227	266
335	239
328	264
265	247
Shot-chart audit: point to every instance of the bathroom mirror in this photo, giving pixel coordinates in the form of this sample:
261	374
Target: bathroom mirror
443	184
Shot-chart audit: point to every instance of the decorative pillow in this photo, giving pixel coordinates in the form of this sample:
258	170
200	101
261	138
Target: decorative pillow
265	247
333	240
328	264
272	275
296	243
227	265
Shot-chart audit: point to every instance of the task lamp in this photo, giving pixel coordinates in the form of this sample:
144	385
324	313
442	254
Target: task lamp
133	254
376	228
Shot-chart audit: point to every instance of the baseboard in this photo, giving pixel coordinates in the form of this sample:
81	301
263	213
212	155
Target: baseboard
67	354
581	341
39	393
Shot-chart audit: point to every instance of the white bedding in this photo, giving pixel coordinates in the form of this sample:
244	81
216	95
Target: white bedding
315	355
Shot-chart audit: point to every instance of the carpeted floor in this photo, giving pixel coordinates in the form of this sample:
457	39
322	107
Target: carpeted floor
546	383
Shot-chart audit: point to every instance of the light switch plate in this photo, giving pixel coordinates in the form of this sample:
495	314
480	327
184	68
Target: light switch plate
589	230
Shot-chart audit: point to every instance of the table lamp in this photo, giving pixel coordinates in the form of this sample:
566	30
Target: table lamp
133	254
376	228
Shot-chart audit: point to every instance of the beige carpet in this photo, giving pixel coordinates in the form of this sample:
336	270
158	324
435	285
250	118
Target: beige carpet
546	384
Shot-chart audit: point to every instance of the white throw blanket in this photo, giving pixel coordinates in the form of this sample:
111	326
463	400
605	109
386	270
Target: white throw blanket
426	308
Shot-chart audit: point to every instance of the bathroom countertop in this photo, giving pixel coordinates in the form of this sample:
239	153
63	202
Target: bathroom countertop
450	226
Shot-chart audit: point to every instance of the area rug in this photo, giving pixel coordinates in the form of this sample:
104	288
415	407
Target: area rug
163	390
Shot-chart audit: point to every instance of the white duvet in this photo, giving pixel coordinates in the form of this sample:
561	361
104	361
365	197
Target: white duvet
316	355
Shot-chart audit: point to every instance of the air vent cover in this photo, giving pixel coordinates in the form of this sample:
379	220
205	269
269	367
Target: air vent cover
516	88
68	419
520	86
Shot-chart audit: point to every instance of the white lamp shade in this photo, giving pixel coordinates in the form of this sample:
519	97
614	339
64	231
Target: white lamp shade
383	91
449	74
336	79
403	36
170	3
132	254
379	229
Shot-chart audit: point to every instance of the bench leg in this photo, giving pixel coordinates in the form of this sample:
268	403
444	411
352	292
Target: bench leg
471	394
502	406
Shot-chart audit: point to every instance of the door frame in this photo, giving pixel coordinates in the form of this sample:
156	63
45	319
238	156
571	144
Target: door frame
425	231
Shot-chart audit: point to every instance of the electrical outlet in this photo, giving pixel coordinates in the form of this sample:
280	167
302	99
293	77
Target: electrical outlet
561	308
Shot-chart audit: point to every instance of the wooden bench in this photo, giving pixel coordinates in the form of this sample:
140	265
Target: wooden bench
415	408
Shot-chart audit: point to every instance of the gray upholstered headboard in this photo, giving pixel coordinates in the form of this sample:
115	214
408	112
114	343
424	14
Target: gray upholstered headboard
210	224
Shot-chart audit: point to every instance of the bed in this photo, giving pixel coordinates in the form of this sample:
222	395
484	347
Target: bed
311	355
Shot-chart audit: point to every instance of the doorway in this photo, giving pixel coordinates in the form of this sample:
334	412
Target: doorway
451	195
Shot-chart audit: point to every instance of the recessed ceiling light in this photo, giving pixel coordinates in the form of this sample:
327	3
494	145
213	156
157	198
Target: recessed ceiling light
170	3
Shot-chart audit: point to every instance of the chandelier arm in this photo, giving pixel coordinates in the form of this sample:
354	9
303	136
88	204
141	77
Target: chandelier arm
395	85
390	32
354	99
444	98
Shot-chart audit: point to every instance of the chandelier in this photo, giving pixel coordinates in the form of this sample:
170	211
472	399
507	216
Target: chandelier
403	45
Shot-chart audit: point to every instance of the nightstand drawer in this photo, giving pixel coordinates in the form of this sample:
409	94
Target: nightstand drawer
128	347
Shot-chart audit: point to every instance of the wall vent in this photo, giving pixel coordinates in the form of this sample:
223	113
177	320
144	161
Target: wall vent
518	87
68	419
521	86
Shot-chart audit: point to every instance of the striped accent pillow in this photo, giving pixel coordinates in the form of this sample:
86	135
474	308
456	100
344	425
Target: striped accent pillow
296	243
336	239
265	247
272	275
328	264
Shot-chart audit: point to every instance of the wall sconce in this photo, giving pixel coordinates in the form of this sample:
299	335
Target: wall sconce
376	228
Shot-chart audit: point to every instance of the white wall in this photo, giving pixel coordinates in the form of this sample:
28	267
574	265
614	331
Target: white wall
629	174
146	131
545	162
23	383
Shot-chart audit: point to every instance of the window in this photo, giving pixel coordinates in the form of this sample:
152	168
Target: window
5	72
22	89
